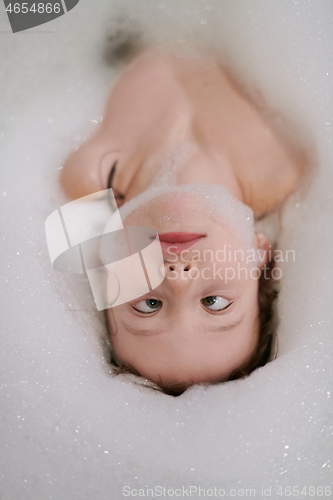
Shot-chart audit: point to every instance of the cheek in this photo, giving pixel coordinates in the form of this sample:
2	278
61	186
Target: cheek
249	283
136	218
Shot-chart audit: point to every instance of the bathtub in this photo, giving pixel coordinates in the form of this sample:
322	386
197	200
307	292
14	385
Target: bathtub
69	429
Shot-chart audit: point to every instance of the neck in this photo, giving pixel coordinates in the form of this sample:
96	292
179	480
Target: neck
208	166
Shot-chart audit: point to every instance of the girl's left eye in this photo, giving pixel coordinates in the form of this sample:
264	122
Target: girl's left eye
148	306
215	303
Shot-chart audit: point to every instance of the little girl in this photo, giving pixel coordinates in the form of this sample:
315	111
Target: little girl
186	153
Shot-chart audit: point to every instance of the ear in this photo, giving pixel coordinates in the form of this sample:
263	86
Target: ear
262	245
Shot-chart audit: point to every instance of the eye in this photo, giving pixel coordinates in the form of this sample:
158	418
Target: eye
148	306
215	303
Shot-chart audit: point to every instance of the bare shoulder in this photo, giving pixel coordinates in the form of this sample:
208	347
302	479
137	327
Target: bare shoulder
145	104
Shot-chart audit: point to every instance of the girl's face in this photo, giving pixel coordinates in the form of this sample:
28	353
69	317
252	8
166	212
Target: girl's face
201	322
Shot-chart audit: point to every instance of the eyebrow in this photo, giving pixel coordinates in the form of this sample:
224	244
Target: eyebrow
142	331
134	330
223	328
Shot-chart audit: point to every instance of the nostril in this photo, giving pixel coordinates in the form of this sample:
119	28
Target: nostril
172	267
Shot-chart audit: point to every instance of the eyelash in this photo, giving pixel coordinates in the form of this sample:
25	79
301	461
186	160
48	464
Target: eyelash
211	310
143	312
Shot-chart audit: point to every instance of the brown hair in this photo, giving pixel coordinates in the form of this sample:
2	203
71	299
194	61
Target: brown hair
267	294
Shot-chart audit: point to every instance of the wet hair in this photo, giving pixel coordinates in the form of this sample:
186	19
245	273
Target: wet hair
262	354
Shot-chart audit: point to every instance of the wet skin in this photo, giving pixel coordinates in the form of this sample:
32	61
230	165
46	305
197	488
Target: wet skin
193	330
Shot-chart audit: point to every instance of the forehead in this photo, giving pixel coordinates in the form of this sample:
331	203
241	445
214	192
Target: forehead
205	356
204	359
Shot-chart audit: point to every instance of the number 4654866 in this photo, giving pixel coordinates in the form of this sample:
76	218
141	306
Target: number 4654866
311	491
36	8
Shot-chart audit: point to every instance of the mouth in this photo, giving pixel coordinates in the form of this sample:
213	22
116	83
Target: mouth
177	242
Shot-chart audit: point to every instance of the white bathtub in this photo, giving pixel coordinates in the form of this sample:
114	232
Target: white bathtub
69	429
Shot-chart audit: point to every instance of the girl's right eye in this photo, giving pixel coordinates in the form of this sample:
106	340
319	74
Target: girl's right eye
215	303
148	306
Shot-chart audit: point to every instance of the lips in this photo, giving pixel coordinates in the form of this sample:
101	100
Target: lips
177	242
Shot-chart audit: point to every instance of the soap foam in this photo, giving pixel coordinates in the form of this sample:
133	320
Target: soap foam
215	203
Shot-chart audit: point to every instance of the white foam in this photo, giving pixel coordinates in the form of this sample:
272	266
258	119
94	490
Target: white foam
215	201
70	430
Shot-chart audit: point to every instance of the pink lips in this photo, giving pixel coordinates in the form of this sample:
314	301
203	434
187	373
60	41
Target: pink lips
177	242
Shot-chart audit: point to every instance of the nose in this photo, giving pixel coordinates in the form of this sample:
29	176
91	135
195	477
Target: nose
179	276
173	267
